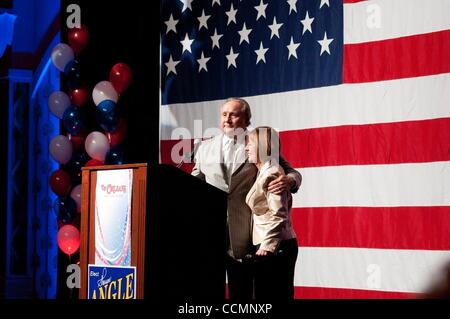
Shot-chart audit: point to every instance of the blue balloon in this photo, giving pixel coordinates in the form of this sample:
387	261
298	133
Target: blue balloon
65	209
115	156
106	114
73	167
73	120
106	106
73	74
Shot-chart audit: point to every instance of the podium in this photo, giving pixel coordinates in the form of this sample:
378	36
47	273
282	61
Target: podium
178	233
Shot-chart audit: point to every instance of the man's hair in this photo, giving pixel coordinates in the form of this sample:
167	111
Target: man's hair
245	107
268	144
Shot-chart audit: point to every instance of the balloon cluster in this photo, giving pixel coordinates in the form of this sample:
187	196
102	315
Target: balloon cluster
76	148
106	147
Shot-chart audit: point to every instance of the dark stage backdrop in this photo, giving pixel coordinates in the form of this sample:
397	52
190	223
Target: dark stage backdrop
120	31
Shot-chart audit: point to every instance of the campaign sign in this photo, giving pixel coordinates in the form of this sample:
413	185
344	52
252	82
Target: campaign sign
111	282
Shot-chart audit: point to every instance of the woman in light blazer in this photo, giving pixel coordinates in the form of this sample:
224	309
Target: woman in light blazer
273	233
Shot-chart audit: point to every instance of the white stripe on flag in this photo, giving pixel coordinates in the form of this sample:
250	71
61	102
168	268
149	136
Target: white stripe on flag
371	269
397	18
412	184
390	101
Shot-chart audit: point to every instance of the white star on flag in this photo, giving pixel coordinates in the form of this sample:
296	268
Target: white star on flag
325	44
274	27
292	5
214	2
261	10
202	63
261	53
187	43
231	15
232	58
244	34
307	21
203	20
171	64
323	2
171	24
292	47
187	4
215	39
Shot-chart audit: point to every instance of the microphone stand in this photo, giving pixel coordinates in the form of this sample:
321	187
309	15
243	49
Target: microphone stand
191	155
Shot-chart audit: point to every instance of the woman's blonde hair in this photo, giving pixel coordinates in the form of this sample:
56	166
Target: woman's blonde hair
267	144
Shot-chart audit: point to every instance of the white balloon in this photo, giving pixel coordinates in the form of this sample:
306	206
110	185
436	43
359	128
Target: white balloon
61	55
61	149
58	102
104	90
97	145
76	195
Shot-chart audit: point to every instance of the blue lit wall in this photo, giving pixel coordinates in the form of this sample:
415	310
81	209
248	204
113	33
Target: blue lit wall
44	127
33	19
45	12
38	278
23	40
7	21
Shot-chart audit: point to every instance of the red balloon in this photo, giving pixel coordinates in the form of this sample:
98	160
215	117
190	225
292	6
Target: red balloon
80	96
120	77
68	239
94	162
77	140
116	137
78	38
60	182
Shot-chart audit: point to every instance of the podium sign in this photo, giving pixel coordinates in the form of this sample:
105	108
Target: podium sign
111	282
113	211
113	217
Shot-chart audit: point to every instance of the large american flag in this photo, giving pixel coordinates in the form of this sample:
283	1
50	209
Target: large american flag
360	92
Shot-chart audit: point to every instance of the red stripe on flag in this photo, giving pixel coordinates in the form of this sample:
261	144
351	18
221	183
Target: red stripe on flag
404	57
340	293
373	227
388	143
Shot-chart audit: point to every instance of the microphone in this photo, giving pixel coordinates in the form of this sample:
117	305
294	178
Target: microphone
189	156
